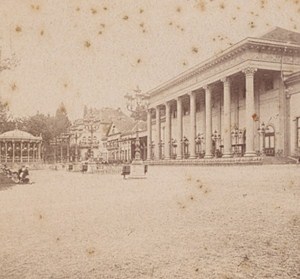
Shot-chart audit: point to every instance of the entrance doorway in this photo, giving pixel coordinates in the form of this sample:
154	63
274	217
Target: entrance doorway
270	141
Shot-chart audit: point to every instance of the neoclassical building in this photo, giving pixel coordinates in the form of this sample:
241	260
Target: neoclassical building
243	102
20	147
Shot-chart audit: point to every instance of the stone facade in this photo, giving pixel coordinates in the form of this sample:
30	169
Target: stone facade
234	104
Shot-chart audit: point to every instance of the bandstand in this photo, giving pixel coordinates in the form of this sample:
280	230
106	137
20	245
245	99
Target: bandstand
19	147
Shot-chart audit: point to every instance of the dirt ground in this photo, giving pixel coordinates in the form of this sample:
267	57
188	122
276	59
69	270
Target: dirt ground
197	222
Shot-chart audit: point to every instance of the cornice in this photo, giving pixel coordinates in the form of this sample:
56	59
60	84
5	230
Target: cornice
241	47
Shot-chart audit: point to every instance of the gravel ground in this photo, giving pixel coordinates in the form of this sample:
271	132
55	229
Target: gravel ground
197	222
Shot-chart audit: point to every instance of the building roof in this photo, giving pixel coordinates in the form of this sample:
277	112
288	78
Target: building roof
282	35
277	37
18	135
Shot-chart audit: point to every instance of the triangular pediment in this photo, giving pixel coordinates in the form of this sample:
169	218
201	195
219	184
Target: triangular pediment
283	35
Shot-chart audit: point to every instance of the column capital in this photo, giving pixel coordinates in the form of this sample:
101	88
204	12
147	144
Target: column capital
226	80
249	71
191	93
207	87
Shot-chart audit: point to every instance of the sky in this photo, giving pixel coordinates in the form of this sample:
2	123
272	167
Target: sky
92	52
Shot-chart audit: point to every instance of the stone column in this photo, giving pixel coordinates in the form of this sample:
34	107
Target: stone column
5	152
149	134
250	110
21	152
28	151
13	147
192	125
179	127
39	151
208	123
157	143
168	131
227	118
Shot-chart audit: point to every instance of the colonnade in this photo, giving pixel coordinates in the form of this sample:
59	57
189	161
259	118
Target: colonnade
207	91
20	151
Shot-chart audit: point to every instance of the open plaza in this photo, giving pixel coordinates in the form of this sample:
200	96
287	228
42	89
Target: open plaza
180	222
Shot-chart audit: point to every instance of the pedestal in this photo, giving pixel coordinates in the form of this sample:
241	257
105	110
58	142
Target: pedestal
92	167
137	170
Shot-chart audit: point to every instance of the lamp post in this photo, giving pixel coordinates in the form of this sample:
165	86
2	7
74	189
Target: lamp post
262	130
91	125
137	103
199	140
216	138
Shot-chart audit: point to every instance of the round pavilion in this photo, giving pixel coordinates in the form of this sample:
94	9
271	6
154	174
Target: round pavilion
19	147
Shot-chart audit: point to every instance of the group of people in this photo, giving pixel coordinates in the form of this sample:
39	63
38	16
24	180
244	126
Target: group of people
21	176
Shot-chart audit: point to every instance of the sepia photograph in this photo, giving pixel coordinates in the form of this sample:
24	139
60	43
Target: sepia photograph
148	139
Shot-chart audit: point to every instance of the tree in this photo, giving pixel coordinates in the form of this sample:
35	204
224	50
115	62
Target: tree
61	121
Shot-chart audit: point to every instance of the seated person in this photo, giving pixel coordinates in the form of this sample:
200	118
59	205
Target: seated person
23	173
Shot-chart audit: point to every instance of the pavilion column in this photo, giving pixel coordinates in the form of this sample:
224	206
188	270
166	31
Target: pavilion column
157	143
13	147
28	152
21	152
149	134
68	151
168	131
39	150
250	110
227	118
5	152
208	123
179	127
192	125
61	152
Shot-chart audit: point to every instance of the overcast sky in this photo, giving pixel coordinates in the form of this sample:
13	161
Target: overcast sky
94	52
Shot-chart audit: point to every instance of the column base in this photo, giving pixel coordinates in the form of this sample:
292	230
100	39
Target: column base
227	155
178	157
192	157
208	156
137	170
250	154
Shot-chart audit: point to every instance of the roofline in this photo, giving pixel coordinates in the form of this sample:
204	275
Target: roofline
244	42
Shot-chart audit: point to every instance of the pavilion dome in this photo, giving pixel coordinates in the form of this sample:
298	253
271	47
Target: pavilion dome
18	135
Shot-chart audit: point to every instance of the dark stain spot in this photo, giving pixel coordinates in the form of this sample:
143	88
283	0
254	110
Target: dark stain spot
238	7
139	61
197	269
57	239
144	30
234	18
170	23
295	27
42	32
100	33
13	86
77	9
90	251
201	5
251	24
142	24
178	9
141	11
125	17
102	25
87	44
18	28
94	11
184	63
105	8
35	7
65	85
40	216
222	6
191	198
195	50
